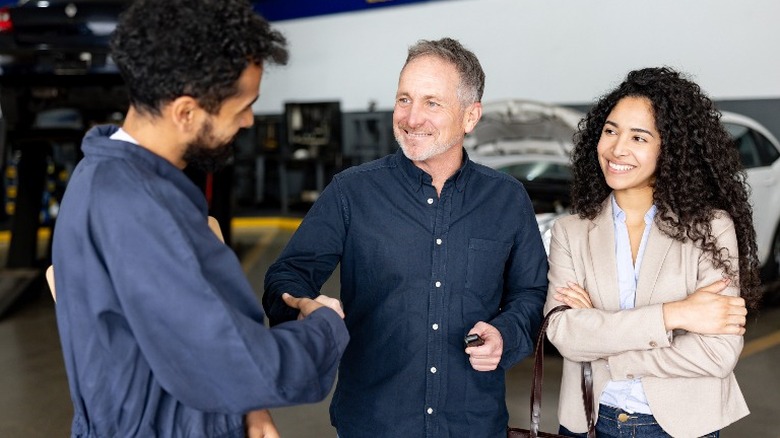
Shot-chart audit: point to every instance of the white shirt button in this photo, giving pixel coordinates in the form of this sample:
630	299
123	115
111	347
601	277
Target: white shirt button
435	326
438	241
438	284
430	201
433	370
429	411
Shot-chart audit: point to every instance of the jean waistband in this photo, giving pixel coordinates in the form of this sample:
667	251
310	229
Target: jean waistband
612	413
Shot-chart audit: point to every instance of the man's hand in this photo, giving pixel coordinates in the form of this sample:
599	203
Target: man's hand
259	424
332	303
307	305
707	312
573	295
487	356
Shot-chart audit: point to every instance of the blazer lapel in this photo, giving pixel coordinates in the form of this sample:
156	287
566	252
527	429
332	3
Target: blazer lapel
601	244
656	249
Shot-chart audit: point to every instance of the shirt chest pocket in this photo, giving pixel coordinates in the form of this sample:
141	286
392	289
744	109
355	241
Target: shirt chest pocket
485	268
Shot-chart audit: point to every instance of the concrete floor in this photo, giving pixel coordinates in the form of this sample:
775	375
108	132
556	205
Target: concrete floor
34	399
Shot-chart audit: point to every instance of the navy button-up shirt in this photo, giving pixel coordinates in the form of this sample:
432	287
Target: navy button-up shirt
418	270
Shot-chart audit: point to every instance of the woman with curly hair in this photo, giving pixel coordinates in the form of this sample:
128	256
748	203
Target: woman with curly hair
658	264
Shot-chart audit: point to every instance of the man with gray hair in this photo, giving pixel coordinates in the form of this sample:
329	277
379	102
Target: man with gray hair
432	247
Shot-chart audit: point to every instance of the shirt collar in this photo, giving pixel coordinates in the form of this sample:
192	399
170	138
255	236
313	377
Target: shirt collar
416	176
122	135
107	140
619	215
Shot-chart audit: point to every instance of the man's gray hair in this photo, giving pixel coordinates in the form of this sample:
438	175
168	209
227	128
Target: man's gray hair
472	77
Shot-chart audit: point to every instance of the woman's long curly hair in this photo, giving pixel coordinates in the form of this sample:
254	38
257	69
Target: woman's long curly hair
698	170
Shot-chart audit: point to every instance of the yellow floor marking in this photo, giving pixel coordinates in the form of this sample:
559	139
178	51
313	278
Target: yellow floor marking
760	344
253	255
284	223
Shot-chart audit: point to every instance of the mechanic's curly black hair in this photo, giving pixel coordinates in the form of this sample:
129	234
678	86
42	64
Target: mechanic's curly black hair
166	49
698	170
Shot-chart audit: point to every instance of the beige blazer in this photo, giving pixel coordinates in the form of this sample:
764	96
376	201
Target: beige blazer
688	378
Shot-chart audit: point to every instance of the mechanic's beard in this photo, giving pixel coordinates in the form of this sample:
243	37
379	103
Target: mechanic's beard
207	153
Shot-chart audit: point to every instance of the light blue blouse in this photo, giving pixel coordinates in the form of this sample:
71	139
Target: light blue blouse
627	394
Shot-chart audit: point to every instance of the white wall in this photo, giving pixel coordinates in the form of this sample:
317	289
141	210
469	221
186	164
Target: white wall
564	51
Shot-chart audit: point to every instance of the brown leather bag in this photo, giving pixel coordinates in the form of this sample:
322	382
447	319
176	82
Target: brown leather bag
536	390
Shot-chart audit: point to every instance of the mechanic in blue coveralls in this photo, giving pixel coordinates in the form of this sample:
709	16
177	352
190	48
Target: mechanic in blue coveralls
161	332
432	247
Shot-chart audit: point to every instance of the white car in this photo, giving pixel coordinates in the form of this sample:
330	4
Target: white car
760	154
546	174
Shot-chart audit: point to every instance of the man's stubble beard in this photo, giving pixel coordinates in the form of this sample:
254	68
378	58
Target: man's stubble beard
434	150
206	152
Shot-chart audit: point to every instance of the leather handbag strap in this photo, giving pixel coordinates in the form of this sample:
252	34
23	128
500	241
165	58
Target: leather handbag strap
536	389
587	398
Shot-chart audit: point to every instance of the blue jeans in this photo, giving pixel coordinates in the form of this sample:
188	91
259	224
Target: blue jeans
617	423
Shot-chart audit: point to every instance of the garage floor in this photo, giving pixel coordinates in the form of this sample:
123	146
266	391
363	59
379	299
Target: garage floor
34	399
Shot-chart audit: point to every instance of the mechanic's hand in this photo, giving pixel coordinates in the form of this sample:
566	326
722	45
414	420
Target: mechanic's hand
707	312
574	296
259	424
487	356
